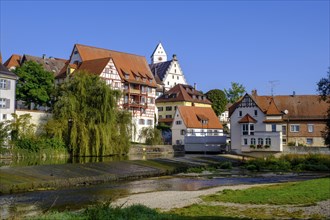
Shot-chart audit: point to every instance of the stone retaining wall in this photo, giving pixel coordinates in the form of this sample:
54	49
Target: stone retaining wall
305	150
158	149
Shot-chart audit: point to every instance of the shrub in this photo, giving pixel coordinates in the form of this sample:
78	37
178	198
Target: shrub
251	167
253	146
226	165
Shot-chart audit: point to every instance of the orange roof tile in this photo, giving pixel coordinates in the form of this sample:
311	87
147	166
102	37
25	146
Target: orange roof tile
247	119
13	61
272	109
125	63
182	92
191	116
298	106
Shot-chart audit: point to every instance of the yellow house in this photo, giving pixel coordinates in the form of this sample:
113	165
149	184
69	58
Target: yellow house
179	95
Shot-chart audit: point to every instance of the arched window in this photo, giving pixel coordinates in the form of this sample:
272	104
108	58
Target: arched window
268	141
253	141
260	141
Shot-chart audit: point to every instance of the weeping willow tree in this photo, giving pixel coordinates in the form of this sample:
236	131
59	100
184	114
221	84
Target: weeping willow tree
86	117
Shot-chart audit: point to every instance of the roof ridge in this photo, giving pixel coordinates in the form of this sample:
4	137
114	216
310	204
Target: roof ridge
110	50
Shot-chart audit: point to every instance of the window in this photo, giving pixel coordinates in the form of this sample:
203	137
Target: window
251	129
268	141
126	76
284	129
284	141
183	132
149	122
179	122
253	141
309	141
310	128
240	113
143	100
245	141
4	84
177	77
168	116
216	133
160	116
4	116
141	121
4	103
168	83
175	70
294	128
255	112
204	122
106	70
245	129
168	108
150	100
160	109
172	76
260	141
273	127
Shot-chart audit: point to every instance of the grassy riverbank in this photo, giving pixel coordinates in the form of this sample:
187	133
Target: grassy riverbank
208	209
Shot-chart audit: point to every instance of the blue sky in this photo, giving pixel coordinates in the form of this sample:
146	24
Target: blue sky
216	42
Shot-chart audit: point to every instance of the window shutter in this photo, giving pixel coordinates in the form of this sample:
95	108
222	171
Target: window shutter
8	85
7	103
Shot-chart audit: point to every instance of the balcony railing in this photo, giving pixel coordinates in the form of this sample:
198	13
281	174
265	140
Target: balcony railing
271	142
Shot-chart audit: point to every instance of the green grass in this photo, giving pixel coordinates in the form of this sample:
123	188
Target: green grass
303	193
106	212
223	212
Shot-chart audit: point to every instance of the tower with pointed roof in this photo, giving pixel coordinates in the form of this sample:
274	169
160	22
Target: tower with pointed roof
159	54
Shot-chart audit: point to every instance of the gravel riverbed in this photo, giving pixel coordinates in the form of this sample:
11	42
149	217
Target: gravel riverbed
167	200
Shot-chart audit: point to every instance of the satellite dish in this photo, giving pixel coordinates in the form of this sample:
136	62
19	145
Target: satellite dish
286	111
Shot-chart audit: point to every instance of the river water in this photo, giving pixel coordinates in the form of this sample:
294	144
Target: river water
32	203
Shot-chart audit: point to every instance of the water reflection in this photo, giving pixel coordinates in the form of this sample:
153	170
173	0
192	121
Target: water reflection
79	197
38	160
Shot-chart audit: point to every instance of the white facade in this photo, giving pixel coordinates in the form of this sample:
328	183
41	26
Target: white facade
159	54
180	130
174	75
7	96
254	133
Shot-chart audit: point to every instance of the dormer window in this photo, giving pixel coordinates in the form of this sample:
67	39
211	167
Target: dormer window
126	76
144	79
137	78
150	80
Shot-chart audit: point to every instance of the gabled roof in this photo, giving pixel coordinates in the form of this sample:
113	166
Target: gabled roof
191	117
94	66
247	119
4	71
13	61
53	65
182	92
272	109
298	106
126	64
160	69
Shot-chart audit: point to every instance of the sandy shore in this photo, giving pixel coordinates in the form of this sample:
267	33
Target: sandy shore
167	200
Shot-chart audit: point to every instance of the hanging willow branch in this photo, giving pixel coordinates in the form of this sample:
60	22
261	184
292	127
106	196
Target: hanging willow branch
88	119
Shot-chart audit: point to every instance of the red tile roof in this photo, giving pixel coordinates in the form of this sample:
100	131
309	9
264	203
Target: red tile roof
247	119
126	64
13	61
192	117
182	92
298	106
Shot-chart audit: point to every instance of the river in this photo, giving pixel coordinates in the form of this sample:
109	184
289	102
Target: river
33	203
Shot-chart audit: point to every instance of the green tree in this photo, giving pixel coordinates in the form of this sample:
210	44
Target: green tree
152	136
21	127
218	99
34	85
324	91
235	92
86	117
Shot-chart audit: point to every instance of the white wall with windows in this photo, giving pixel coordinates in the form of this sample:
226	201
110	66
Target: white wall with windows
7	96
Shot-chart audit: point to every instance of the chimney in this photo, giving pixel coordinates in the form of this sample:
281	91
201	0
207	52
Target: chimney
293	93
194	86
43	56
254	93
174	57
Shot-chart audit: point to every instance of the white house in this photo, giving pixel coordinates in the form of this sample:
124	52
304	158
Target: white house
262	125
198	128
167	73
7	93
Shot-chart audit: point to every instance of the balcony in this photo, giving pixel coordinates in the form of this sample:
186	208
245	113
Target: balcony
135	104
275	144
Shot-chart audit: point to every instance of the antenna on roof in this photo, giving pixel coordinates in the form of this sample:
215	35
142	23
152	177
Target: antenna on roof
273	83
